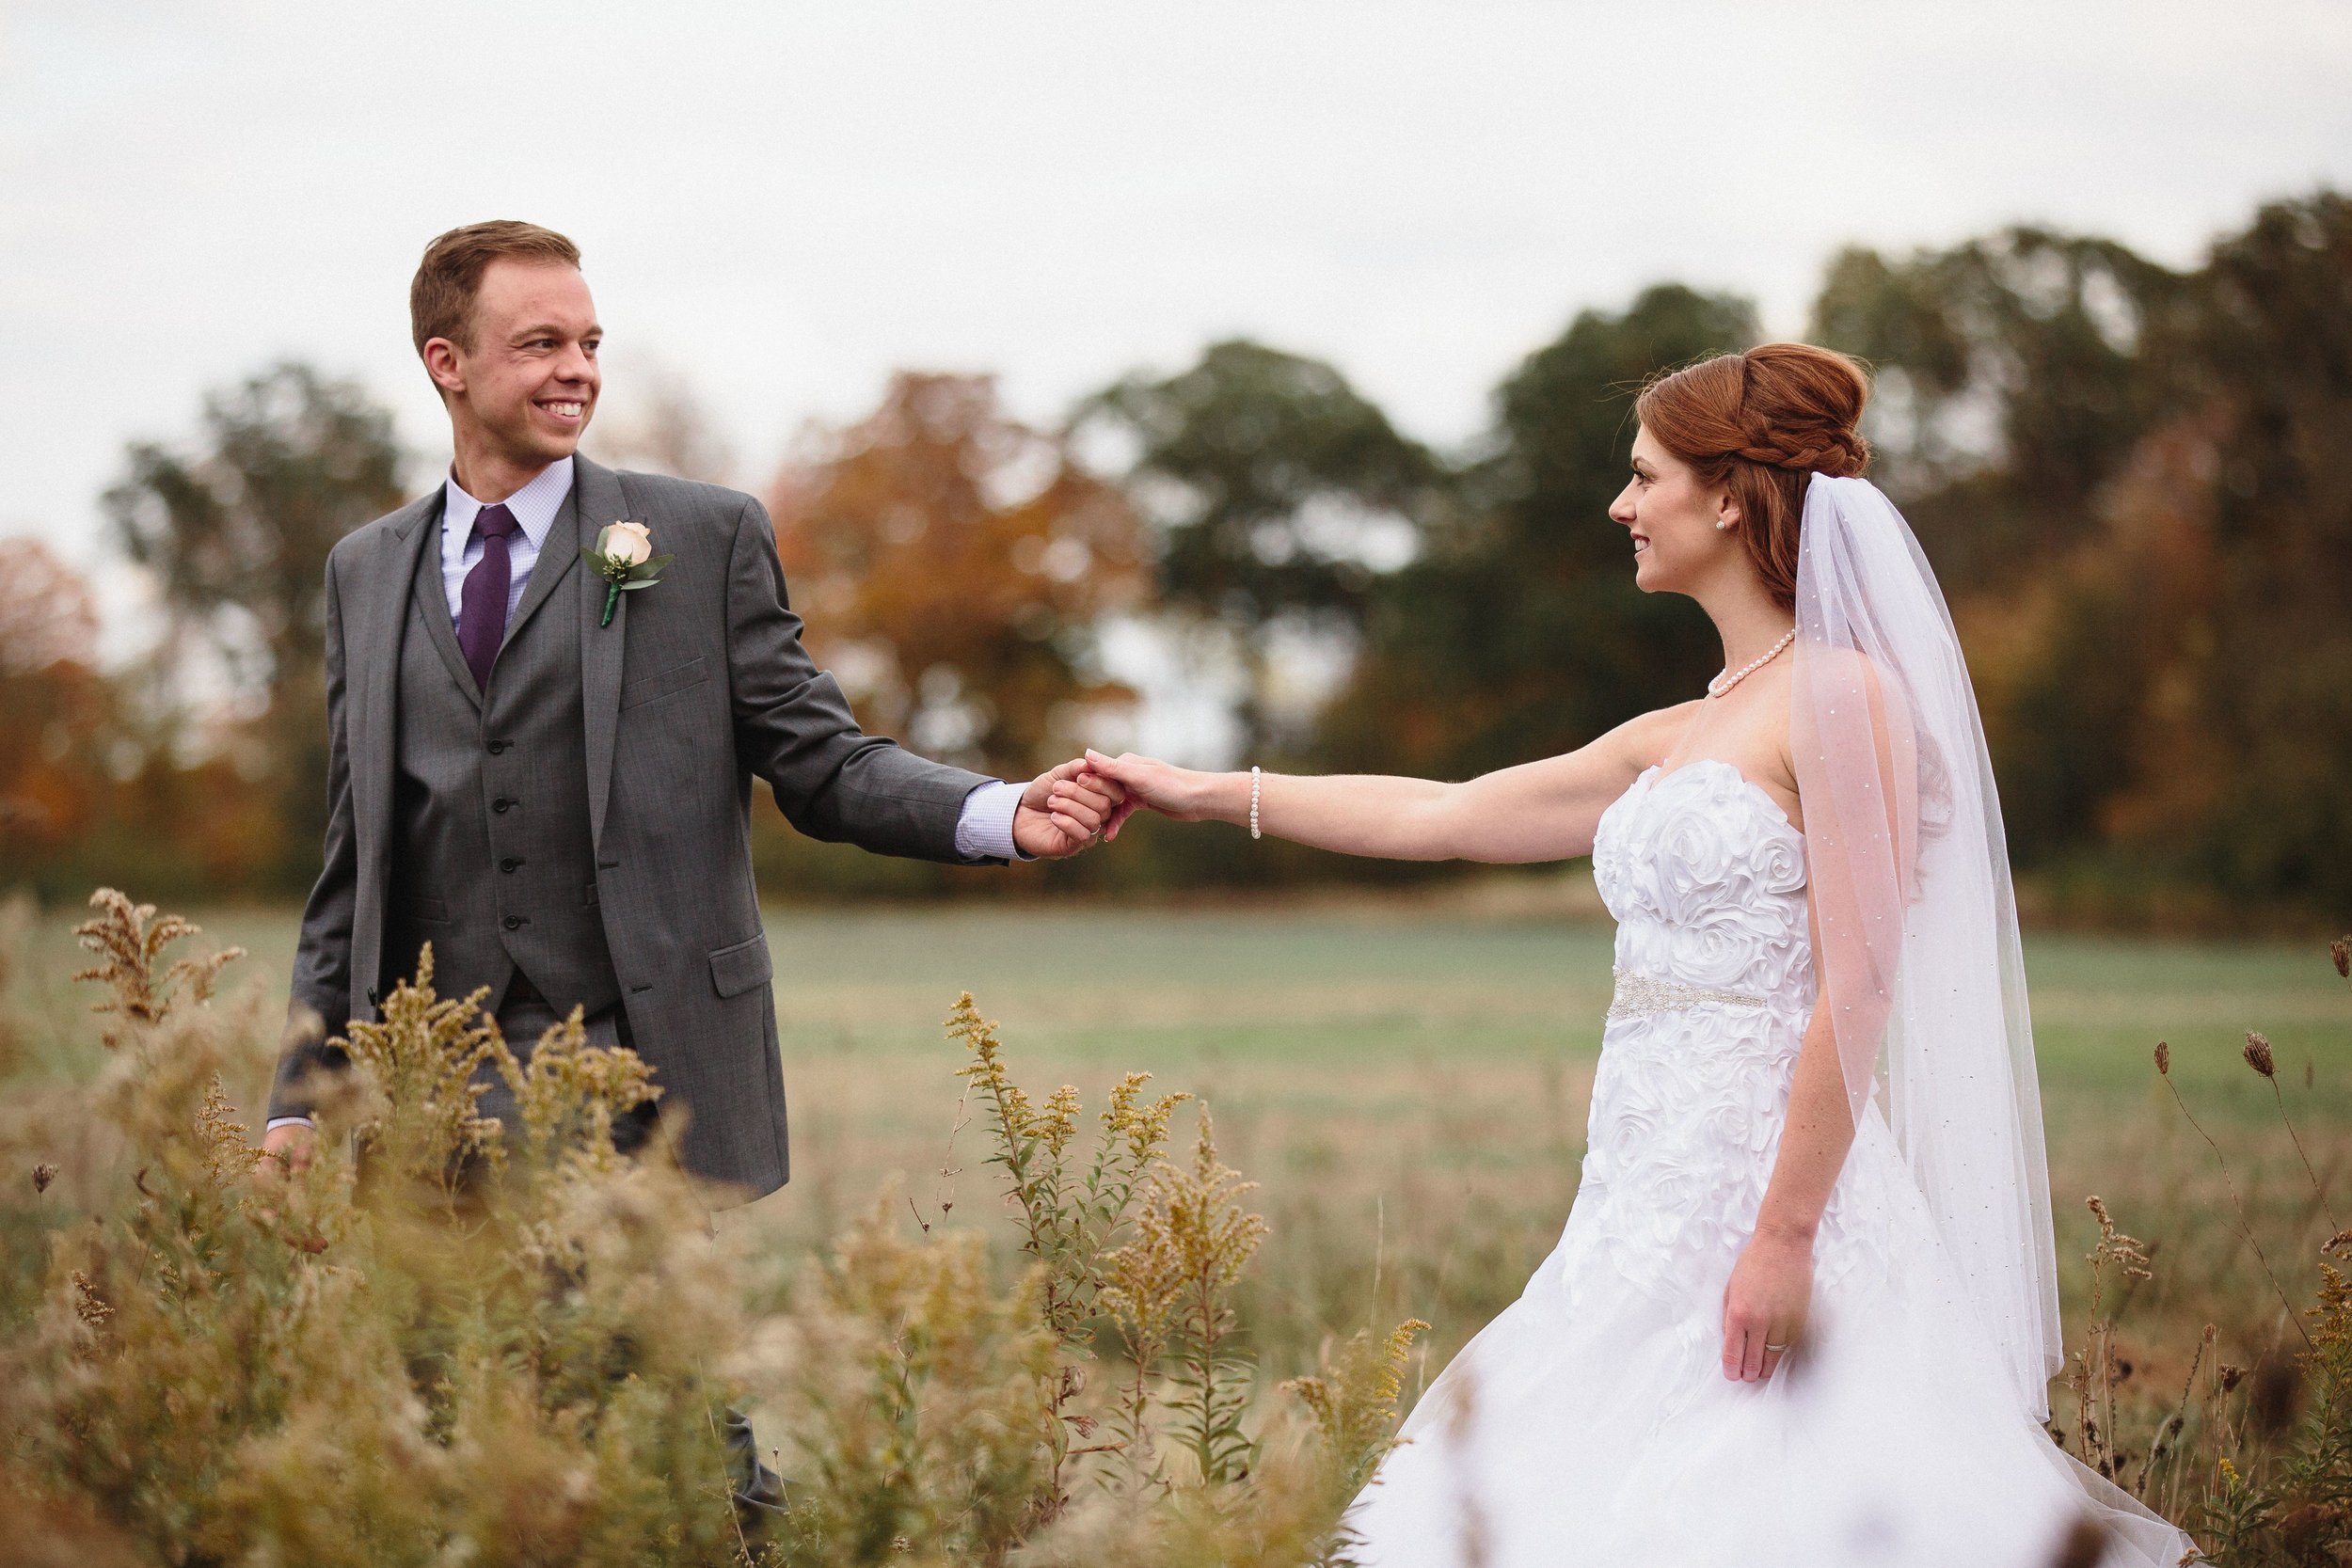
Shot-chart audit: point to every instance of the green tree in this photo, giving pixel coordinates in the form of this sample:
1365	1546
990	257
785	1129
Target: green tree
1278	493
2013	382
2127	480
1519	634
236	535
2261	368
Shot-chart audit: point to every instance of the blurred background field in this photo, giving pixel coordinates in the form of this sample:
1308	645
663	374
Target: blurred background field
1407	1075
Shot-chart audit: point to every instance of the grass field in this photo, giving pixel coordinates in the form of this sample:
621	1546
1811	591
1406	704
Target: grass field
1409	1082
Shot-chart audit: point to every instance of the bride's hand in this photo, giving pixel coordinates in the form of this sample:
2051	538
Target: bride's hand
1765	1304
1177	792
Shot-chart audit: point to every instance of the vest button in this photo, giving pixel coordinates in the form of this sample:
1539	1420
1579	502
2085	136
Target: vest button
509	863
500	806
516	923
498	747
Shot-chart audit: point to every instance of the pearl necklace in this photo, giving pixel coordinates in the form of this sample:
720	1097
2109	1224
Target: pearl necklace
1724	682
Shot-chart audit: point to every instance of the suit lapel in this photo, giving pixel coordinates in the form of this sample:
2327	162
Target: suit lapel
559	553
598	499
432	600
372	662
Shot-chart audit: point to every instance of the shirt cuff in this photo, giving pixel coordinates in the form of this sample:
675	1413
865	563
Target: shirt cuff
277	1122
984	831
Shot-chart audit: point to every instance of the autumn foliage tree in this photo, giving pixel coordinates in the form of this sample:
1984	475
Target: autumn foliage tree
953	566
54	706
2144	541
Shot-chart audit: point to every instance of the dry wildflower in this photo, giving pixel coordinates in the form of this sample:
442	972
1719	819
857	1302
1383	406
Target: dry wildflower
43	1174
1068	1218
571	1093
2339	1244
916	1395
2258	1055
1353	1400
421	1057
2230	1377
128	939
2126	1253
2341	950
2164	1058
220	1133
2238	1204
2094	1371
1196	1216
88	1305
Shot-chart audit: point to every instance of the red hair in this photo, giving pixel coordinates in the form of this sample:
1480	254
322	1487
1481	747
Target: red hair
1756	424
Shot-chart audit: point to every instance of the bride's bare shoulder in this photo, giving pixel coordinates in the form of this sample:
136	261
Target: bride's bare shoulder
1646	738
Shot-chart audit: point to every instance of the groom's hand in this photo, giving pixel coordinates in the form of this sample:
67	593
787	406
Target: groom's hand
288	1148
1064	811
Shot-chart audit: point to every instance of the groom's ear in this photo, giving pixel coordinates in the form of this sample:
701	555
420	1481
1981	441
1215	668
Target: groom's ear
442	364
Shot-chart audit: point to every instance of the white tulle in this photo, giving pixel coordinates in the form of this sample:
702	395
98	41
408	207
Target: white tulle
1591	1423
1917	922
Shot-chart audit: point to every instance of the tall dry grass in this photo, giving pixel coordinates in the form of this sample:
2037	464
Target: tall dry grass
449	1341
454	1341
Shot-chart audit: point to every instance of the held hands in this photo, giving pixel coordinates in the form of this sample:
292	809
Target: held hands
1766	1303
1064	811
1176	792
1079	802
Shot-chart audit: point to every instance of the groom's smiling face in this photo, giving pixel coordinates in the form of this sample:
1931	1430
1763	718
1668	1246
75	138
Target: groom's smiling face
528	382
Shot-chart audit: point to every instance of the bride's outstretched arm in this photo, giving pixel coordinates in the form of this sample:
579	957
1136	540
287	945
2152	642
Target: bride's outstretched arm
1539	811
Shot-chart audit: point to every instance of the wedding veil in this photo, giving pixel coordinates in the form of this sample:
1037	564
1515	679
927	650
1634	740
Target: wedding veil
1916	919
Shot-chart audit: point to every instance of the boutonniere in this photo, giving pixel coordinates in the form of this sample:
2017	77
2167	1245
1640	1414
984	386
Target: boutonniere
623	555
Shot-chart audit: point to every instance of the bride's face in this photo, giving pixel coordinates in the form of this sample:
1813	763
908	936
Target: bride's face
1672	520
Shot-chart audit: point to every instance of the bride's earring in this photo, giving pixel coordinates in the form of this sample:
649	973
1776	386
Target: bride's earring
1721	524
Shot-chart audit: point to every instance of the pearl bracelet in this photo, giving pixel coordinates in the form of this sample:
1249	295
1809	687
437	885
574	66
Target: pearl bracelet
1255	778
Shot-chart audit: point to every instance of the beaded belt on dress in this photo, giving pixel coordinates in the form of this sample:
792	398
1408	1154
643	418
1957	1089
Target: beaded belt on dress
1640	995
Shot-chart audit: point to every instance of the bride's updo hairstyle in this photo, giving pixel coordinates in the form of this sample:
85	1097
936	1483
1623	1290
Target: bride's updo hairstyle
1756	424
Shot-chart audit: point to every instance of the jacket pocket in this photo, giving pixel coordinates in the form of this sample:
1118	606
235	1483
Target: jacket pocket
736	970
666	683
422	908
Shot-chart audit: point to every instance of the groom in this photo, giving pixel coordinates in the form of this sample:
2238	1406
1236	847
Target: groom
560	804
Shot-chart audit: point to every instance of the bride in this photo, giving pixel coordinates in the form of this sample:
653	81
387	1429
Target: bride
1803	1309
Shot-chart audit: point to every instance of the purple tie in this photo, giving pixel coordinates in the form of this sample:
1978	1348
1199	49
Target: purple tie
482	603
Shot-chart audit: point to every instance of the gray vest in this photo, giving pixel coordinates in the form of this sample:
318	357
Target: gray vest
493	860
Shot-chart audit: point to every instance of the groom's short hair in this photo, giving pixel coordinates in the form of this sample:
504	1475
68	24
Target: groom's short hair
441	296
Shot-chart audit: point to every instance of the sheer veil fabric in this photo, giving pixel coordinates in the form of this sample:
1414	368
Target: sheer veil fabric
1915	918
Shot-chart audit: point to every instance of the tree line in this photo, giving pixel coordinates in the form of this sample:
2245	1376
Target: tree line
2126	475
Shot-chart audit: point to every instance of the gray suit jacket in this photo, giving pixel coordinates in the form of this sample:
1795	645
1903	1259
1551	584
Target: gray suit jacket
699	685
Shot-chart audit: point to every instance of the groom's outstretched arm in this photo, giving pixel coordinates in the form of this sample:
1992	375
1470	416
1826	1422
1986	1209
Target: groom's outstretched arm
793	727
321	1005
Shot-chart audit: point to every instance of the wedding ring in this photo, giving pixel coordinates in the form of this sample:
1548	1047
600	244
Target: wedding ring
1769	1345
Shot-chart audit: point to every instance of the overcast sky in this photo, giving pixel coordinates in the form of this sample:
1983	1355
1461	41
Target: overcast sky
783	201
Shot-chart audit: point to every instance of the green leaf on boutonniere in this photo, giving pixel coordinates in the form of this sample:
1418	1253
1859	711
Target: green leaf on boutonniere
622	556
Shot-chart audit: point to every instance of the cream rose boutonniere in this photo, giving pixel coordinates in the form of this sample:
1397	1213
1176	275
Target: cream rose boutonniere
623	555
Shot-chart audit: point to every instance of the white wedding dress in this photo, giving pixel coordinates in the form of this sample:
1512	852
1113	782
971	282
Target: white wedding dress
1591	1422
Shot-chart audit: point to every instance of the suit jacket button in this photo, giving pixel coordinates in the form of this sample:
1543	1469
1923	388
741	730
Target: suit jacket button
500	806
509	863
498	747
516	923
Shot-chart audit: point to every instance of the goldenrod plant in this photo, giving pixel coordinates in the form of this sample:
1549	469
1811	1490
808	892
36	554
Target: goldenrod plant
448	1339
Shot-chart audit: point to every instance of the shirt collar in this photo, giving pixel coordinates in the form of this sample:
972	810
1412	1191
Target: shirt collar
534	507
